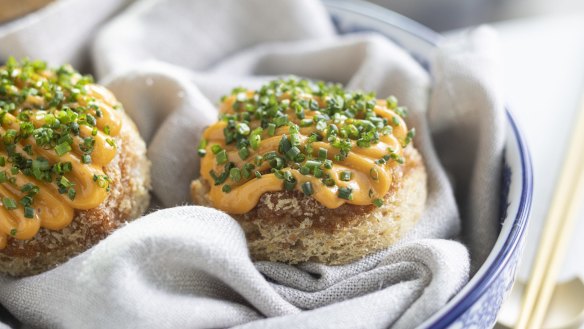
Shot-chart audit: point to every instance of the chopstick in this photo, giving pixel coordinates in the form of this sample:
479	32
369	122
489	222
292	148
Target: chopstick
556	232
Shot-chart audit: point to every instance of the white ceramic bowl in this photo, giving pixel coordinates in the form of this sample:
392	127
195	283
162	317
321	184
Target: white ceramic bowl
478	303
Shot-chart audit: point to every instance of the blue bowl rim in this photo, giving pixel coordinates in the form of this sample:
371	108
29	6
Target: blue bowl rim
513	242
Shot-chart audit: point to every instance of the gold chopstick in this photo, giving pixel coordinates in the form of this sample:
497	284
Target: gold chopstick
555	235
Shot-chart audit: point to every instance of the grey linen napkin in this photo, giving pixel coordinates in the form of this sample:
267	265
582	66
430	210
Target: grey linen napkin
169	62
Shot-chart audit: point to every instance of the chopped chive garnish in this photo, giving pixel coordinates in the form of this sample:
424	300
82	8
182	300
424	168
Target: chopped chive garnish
28	212
345	175
86	158
258	174
307	188
329	182
317	172
378	202
306	122
411	134
322	154
395	120
270	155
289	184
345	193
226	188
391	102
293	153
243	153
271	129
254	141
9	203
63	148
278	173
277	163
202	147
216	149
284	145
401	111
312	164
328	164
221	157
235	174
243	129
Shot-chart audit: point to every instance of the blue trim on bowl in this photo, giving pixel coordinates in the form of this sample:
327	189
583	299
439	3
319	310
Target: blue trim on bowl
519	224
510	245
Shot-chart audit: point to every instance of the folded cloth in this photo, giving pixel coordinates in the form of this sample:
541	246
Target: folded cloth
168	62
58	33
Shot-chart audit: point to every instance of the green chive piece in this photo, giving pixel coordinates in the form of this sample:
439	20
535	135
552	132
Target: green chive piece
242	129
378	203
395	120
258	174
284	145
246	170
216	149
226	188
329	182
201	150
243	153
271	129
277	163
289	184
292	153
312	164
86	158
9	203
307	188
278	173
345	175
254	141
322	154
235	174
71	193
317	172
28	212
306	122
391	102
345	193
63	148
411	134
270	155
221	157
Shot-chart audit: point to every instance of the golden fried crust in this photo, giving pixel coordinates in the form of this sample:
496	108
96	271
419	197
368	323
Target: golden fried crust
128	199
290	227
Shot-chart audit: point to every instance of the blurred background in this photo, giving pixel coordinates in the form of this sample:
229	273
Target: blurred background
443	15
